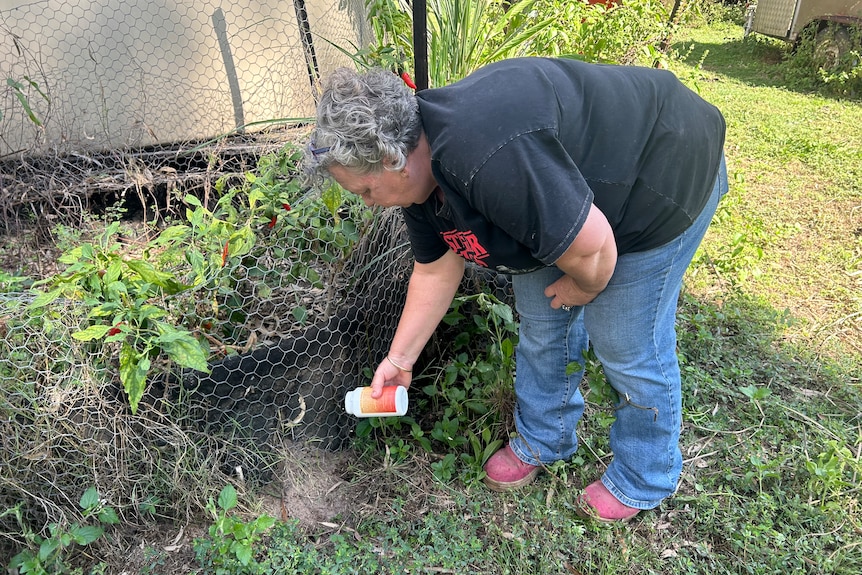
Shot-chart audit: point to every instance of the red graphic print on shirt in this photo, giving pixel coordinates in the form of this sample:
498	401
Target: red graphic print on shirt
466	245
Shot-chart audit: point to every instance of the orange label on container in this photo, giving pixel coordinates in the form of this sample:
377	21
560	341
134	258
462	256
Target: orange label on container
384	404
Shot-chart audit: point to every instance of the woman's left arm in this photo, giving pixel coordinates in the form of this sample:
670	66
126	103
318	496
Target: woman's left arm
588	263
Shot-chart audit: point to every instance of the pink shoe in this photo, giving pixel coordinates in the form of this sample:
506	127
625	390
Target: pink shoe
504	471
598	503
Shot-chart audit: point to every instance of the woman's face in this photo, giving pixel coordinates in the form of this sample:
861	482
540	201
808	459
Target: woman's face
385	188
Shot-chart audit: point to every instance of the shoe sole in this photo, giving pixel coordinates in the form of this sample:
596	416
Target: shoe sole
501	486
591	513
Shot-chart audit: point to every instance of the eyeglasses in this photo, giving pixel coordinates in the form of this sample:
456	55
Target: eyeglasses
317	151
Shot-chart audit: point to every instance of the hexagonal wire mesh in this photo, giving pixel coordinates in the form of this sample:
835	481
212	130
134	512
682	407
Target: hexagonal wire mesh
65	420
108	73
111	83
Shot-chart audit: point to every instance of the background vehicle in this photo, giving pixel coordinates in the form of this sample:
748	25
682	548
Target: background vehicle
836	25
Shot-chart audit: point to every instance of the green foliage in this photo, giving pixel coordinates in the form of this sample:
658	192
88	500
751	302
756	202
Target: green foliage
816	63
13	283
127	301
391	21
152	307
469	392
462	400
20	90
600	393
465	35
628	33
832	472
399	543
49	555
230	547
462	36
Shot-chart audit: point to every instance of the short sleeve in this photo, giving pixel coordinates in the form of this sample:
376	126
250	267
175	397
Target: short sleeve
424	239
531	189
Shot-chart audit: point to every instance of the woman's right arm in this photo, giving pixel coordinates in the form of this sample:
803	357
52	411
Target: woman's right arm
429	294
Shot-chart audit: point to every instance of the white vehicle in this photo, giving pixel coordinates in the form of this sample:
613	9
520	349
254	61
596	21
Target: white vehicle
836	24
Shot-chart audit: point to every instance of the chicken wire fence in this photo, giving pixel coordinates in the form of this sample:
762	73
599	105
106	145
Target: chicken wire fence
100	74
114	105
275	377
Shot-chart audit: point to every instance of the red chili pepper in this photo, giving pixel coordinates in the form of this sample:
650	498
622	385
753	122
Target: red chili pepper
271	223
286	207
224	253
115	330
408	80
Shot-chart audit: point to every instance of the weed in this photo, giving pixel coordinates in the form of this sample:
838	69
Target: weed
231	546
154	561
49	555
809	68
20	89
463	398
832	472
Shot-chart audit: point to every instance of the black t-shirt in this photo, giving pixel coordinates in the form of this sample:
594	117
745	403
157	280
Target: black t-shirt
522	147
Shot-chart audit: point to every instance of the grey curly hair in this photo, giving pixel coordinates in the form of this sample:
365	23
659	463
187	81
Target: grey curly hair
362	120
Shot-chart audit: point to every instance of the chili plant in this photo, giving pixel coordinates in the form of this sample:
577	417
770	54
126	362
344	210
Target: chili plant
146	305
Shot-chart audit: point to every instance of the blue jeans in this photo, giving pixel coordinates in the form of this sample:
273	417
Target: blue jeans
631	328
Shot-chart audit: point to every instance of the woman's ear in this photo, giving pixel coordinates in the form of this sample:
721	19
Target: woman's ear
389	165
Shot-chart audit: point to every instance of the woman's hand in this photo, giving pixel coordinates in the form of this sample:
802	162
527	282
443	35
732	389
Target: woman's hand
566	292
388	373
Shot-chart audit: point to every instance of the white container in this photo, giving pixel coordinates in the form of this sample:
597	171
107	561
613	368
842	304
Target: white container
360	403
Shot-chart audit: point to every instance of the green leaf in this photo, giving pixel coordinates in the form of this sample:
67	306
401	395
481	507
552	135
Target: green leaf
503	311
109	515
197	261
45	298
92	332
105	309
507	348
241	241
35	86
263	523
243	553
150	274
181	347
22	98
47	549
333	198
21	559
113	272
89	499
172	235
85	534
133	374
148	311
195	217
254	195
72	256
227	499
114	289
755	393
300	314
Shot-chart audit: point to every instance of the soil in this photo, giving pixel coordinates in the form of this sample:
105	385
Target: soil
314	488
